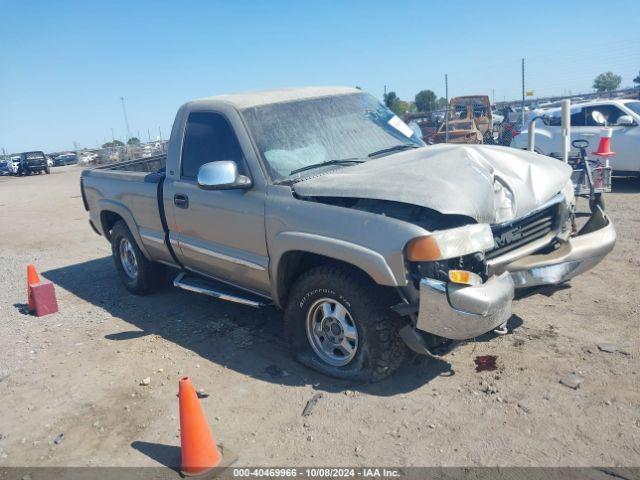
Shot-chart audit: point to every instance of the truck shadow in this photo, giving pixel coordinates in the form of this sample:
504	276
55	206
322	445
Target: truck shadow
241	338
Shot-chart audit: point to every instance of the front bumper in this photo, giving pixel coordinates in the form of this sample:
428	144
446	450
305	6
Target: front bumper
460	312
579	254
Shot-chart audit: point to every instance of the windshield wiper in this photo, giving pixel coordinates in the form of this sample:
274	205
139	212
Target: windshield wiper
342	161
395	148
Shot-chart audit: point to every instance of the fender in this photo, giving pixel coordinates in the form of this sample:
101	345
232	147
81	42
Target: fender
121	209
369	261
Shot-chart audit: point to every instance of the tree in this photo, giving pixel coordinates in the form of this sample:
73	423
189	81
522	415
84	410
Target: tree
115	143
425	100
401	107
133	141
442	103
607	82
637	80
390	99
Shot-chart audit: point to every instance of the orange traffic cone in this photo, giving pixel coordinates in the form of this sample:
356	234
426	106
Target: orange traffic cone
604	147
199	451
32	277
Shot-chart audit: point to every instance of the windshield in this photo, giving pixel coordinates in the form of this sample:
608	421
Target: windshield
634	106
302	133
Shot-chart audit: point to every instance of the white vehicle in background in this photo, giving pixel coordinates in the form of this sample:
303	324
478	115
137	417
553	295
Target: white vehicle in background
88	157
587	121
14	163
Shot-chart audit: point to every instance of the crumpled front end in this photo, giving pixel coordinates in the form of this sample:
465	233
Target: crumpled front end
531	251
567	259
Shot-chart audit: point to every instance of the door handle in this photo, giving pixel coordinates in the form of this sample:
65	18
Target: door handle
181	201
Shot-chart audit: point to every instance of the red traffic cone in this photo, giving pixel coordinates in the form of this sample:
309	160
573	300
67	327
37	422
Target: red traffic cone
200	453
32	278
604	147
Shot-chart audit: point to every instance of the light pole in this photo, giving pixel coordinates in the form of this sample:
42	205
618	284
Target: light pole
126	120
522	92
446	113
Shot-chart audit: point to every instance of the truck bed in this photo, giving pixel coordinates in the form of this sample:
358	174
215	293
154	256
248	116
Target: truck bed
131	191
153	164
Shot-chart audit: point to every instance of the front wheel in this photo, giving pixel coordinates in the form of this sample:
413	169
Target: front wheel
139	275
340	323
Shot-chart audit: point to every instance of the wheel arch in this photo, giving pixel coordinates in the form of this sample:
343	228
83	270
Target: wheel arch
290	261
112	212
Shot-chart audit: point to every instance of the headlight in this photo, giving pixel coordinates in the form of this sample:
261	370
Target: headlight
451	243
569	194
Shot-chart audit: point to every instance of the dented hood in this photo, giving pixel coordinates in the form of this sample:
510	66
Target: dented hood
451	179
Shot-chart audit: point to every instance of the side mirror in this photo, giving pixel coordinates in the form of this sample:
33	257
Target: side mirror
221	175
626	121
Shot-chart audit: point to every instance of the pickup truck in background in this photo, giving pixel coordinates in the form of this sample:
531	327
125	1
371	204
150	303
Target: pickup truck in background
323	202
587	121
32	162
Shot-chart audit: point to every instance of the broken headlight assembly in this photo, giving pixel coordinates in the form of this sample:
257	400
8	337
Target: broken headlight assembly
451	243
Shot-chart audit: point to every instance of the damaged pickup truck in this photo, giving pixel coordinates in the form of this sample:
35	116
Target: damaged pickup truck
323	202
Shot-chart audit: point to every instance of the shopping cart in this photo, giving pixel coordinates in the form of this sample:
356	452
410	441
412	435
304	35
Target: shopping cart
590	177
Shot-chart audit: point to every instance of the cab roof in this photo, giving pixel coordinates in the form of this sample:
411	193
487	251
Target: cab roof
264	97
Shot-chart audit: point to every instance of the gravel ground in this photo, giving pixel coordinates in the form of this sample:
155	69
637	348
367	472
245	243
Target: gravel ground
78	372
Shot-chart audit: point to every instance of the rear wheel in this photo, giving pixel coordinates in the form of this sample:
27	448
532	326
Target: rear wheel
138	274
340	323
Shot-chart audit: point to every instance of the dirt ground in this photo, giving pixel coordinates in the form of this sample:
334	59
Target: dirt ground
78	372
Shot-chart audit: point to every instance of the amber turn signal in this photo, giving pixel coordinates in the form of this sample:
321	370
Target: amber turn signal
464	277
423	249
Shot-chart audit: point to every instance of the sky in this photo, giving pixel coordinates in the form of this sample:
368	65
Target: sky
65	64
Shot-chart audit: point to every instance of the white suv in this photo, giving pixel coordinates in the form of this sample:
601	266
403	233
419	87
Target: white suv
587	121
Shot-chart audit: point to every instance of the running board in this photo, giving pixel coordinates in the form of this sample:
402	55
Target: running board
216	289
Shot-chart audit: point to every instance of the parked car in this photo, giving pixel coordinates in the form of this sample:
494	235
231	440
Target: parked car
587	121
65	159
5	167
14	162
32	162
88	157
323	202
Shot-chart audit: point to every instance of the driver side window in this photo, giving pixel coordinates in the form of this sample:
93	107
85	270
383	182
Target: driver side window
208	138
607	113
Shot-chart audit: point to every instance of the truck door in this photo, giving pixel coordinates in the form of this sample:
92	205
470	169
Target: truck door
622	140
220	233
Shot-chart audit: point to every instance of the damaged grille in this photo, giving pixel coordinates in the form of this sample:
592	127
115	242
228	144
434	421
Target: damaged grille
522	231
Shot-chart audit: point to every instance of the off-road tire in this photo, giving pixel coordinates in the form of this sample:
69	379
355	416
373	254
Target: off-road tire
380	349
150	275
47	170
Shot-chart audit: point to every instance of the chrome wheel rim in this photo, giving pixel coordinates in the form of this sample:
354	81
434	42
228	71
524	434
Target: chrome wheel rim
128	259
332	332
